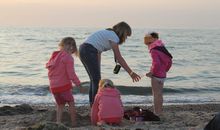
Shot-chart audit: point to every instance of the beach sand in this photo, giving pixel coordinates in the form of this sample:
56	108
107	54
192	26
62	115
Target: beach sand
175	117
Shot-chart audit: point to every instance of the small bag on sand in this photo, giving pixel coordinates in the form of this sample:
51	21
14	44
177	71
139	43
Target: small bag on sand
138	114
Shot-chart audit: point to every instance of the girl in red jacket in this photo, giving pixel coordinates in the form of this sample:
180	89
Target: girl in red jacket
61	74
161	63
107	107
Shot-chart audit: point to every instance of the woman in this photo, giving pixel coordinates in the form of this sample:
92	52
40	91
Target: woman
100	41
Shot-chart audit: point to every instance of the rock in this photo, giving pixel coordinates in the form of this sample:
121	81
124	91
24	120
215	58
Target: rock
19	109
23	109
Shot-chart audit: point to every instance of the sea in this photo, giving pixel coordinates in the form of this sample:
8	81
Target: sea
193	79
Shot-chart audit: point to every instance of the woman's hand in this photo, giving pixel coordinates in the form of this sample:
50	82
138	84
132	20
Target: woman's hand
135	77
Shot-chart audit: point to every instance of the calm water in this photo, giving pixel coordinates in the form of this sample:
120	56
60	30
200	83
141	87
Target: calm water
194	77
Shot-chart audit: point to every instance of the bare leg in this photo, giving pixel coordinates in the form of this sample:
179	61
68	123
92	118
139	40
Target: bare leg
59	112
157	90
72	112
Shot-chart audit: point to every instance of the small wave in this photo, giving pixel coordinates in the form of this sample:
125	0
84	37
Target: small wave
39	94
39	40
35	90
40	91
177	78
43	90
171	90
30	39
81	99
18	73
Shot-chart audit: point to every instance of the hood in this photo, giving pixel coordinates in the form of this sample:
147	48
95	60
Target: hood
109	92
55	58
155	43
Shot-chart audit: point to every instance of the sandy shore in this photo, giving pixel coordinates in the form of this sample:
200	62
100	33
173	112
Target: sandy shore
176	117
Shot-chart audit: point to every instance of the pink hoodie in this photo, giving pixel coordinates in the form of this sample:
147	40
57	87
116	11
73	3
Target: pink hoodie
161	63
61	72
107	104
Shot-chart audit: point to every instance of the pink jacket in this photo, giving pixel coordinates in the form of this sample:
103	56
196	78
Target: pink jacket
61	72
161	63
107	104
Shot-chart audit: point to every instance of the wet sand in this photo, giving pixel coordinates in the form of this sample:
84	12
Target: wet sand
175	117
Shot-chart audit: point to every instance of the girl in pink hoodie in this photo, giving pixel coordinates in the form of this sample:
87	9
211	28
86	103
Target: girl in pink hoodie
161	63
61	74
107	107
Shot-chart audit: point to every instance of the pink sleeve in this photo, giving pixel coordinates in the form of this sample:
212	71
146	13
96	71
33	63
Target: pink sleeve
71	72
94	111
155	62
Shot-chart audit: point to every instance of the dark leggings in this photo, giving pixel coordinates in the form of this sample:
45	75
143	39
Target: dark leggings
89	58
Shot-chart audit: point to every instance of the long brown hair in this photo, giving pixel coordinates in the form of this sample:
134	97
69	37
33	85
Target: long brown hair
122	29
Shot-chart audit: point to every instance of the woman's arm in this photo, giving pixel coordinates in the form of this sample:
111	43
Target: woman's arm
123	63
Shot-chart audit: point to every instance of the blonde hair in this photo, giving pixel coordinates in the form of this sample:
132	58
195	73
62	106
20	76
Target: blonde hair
122	29
68	44
103	83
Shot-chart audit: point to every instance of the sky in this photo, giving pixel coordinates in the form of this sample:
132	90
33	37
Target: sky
105	13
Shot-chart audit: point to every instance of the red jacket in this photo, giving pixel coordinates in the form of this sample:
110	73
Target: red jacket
161	62
61	72
107	104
